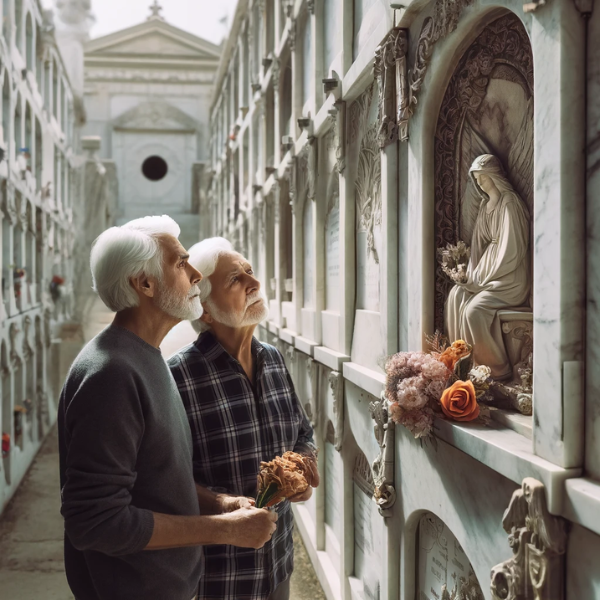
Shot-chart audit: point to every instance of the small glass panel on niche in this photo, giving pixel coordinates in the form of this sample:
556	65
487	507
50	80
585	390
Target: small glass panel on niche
443	569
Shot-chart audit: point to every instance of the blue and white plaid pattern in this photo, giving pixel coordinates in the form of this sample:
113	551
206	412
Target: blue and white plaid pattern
234	427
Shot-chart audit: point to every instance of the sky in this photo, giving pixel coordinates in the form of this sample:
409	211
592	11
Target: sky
200	17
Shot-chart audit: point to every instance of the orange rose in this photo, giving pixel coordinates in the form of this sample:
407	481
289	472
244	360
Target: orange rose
459	401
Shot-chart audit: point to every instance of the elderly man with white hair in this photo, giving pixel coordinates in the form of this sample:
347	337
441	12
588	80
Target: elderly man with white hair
129	501
243	409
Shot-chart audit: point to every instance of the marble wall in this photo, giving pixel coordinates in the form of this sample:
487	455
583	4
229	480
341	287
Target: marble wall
340	207
40	202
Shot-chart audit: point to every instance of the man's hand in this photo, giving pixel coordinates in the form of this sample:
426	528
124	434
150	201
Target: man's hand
231	503
250	527
313	479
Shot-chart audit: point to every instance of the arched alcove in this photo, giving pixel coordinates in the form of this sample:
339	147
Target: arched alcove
441	561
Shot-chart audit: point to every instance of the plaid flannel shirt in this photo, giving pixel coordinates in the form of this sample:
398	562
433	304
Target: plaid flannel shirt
234	427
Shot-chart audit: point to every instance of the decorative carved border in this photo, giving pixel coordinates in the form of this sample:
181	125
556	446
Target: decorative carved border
504	41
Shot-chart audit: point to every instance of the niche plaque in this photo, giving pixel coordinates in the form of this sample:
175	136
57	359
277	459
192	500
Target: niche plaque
443	570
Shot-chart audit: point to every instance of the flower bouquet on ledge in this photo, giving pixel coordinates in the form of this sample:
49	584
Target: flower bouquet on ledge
283	477
439	383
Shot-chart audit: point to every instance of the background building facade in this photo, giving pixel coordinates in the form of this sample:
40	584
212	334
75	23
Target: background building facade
147	96
341	136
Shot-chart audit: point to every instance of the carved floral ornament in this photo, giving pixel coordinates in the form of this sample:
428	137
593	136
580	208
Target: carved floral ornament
336	383
538	541
399	88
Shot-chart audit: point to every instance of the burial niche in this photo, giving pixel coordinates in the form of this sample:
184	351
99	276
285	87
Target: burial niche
484	206
444	571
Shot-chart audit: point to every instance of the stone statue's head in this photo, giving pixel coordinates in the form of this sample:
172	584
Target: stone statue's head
490	166
74	12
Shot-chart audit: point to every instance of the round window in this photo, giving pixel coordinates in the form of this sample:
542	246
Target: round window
154	168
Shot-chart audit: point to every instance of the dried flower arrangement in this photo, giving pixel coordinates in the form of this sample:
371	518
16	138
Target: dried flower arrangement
454	261
283	477
441	382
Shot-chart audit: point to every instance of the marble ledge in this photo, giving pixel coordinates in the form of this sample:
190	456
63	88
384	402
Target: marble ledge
273	327
370	381
287	335
305	345
330	358
582	503
321	123
324	568
508	453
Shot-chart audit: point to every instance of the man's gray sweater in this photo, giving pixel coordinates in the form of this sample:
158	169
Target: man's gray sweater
125	452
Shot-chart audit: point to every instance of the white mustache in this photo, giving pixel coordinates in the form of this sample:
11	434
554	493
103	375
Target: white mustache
194	291
254	297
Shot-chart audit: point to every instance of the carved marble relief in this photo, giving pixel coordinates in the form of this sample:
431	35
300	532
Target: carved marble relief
383	466
311	405
487	109
336	383
390	72
538	541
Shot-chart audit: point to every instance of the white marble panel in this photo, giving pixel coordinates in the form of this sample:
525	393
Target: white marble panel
592	425
330	329
332	260
583	575
369	533
309	255
368	271
358	419
367	346
333	479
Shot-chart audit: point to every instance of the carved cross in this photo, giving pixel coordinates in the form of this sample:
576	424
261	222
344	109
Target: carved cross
155	10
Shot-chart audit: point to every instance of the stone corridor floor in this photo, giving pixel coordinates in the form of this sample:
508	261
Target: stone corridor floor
31	529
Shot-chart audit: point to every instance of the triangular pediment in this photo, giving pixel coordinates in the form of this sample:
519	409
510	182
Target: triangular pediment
154	37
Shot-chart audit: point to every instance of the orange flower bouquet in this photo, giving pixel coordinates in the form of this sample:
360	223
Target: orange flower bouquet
283	477
442	382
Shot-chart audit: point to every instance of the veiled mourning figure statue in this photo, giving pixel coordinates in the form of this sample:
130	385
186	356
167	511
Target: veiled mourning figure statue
498	270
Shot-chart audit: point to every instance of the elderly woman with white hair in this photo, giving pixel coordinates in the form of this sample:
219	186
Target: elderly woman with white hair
242	409
125	446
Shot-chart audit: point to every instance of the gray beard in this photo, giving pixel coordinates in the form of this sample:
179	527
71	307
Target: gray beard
253	315
178	306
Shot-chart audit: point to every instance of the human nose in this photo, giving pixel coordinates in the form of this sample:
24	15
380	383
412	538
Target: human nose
254	284
195	275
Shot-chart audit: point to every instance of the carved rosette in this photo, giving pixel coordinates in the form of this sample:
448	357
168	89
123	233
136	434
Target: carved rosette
502	42
390	60
383	466
336	383
538	541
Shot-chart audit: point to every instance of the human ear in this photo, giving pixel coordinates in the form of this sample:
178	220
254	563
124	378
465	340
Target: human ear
144	285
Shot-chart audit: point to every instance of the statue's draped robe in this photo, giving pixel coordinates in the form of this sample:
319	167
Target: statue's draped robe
498	278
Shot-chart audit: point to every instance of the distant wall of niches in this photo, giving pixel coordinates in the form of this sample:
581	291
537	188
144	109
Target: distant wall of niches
39	200
342	135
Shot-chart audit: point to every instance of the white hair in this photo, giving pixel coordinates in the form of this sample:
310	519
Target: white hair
204	257
120	254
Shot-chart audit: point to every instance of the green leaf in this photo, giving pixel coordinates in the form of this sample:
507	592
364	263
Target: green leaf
463	367
265	496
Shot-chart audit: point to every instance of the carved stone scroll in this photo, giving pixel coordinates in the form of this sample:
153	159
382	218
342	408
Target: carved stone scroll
383	465
336	383
390	56
538	541
363	475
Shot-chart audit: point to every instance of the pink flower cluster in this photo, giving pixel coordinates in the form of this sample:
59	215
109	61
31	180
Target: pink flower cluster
415	381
